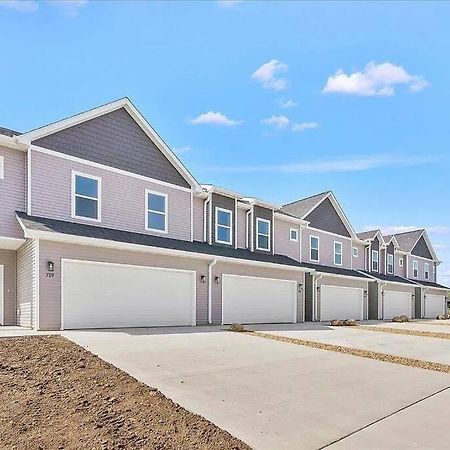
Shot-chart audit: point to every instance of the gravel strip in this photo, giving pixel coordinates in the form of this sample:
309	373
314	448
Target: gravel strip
438	367
430	334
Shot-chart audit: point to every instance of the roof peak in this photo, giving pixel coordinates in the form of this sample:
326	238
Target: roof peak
307	198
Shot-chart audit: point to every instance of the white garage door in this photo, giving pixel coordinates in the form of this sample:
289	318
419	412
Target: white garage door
258	300
101	295
338	302
434	305
396	304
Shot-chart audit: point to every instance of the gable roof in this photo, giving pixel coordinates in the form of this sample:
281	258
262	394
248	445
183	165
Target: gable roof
408	239
125	103
367	234
8	132
303	207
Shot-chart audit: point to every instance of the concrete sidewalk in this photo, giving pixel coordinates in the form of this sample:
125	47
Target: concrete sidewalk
272	394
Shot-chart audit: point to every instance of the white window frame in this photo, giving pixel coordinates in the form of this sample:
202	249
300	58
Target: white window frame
377	261
415	268
400	262
230	227
2	167
335	253
426	270
390	256
311	249
355	254
258	220
296	234
98	199
165	214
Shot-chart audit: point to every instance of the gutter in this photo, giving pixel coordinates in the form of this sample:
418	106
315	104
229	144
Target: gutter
315	287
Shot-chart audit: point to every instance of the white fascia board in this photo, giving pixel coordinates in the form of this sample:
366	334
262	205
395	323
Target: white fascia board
290	219
96	242
360	241
337	275
9	243
262	203
55	127
11	142
209	188
385	282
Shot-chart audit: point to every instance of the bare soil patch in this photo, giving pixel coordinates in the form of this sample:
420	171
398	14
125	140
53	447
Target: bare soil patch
56	395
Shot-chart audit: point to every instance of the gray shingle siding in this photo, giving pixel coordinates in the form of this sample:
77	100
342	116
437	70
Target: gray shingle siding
116	140
421	249
325	217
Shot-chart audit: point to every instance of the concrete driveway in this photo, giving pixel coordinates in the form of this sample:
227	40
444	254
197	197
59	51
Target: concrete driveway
278	395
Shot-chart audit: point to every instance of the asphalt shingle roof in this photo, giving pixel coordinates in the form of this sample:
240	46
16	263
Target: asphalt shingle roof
367	234
8	132
392	278
432	284
300	208
93	231
407	240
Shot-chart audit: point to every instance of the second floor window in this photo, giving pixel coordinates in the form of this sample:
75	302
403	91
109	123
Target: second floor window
262	234
427	271
293	234
86	197
374	260
156	212
355	252
223	226
415	269
314	248
390	263
338	253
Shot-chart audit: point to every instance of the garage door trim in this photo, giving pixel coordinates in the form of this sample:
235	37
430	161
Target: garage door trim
294	302
343	287
102	263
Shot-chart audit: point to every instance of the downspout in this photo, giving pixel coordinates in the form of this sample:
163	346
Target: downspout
315	306
252	231
247	216
210	266
205	222
423	294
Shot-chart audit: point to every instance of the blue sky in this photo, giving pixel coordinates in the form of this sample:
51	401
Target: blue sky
274	100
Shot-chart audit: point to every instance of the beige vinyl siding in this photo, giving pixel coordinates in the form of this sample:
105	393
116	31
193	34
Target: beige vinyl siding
222	268
198	223
421	264
123	202
12	191
358	262
241	228
27	282
283	243
50	287
8	261
400	271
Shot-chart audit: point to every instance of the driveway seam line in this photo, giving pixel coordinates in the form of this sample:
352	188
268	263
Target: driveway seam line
405	332
377	356
440	391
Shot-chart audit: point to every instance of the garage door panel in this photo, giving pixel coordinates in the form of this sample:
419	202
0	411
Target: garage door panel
434	305
396	304
338	302
99	295
258	300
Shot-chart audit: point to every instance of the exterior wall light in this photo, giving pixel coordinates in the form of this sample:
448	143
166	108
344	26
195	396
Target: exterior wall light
217	280
203	278
50	266
300	287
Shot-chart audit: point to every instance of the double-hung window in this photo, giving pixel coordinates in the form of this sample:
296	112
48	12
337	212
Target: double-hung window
427	271
390	263
415	269
262	234
293	234
314	248
338	253
375	260
155	211
86	197
224	226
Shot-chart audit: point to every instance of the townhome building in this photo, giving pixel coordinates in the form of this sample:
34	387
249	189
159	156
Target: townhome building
102	226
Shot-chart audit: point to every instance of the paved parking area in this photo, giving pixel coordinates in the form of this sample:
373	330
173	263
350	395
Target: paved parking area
417	347
278	395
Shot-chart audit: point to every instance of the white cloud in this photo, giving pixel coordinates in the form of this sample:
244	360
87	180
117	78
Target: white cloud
68	8
215	118
353	164
182	150
302	126
288	103
277	121
22	6
268	74
439	229
394	229
374	80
